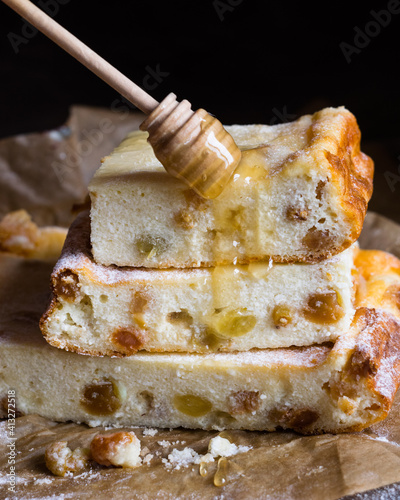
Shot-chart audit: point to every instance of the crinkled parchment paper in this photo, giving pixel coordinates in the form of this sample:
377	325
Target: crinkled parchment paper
280	465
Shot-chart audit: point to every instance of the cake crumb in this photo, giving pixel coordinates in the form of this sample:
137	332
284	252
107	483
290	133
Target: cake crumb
222	447
164	443
119	449
217	447
147	459
62	461
181	458
42	480
149	432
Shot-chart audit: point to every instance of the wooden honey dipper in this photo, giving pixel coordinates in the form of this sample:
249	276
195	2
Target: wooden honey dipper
192	146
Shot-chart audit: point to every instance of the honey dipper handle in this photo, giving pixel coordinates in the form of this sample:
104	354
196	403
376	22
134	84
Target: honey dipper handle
83	54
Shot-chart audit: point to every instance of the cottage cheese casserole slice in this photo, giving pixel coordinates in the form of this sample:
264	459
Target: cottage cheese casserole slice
103	310
300	193
332	388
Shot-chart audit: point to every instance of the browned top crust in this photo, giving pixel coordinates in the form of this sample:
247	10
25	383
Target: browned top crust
336	135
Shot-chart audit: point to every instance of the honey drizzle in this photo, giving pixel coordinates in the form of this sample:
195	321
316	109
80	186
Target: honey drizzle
230	224
204	468
221	475
224	320
228	216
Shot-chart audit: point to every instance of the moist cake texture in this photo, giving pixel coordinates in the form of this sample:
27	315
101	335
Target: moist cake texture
310	389
300	193
103	310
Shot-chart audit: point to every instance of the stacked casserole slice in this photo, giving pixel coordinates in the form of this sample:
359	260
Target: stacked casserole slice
255	310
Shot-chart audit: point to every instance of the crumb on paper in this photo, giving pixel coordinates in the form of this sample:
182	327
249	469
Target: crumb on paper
147	459
149	432
164	443
218	447
61	460
222	447
181	458
119	448
88	475
144	451
42	480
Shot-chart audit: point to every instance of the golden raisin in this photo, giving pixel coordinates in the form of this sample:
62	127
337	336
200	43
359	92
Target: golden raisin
150	246
139	302
294	418
346	385
233	323
191	405
129	339
100	398
243	402
180	317
211	341
318	239
67	286
281	316
323	308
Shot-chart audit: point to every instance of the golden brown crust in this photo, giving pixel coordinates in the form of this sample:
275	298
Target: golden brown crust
376	262
374	339
374	362
351	169
377	353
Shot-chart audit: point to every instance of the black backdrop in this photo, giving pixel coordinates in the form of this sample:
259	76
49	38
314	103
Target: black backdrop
245	61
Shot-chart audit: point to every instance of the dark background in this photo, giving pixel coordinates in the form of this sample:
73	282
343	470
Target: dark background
245	61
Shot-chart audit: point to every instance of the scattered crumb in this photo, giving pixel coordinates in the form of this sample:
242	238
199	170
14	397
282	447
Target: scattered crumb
88	475
61	460
147	459
218	447
164	443
221	447
119	449
144	451
149	432
43	480
207	458
181	458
